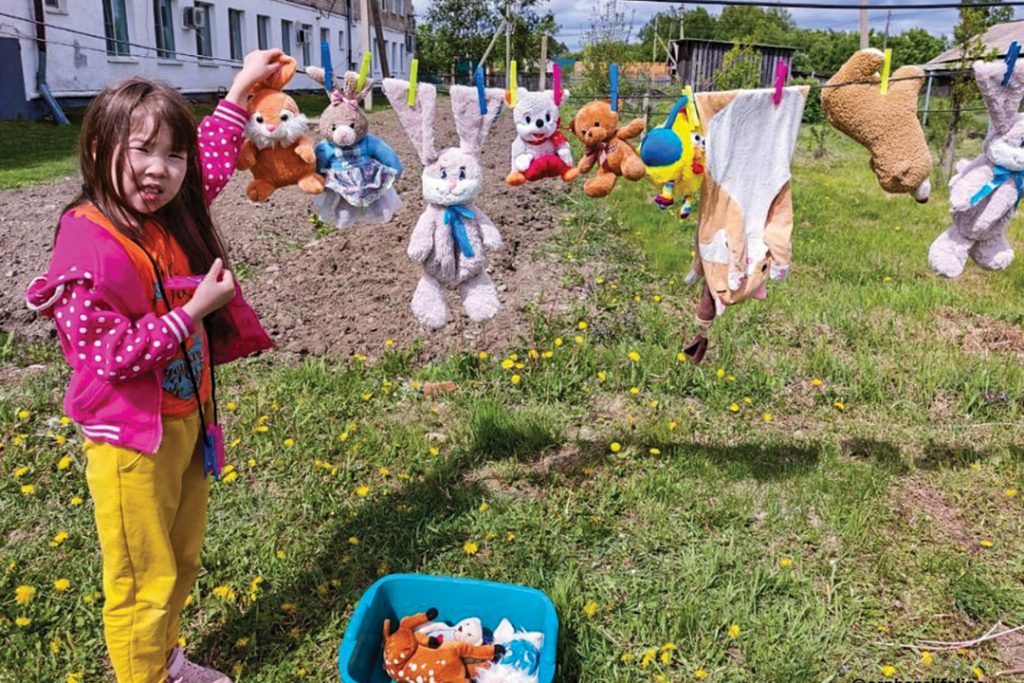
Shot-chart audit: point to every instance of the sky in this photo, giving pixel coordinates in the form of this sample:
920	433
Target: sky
575	16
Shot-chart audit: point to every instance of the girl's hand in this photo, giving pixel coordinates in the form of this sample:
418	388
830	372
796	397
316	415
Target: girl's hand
216	289
258	65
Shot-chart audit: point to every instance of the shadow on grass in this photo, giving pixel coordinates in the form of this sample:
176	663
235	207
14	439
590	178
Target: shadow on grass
882	453
939	456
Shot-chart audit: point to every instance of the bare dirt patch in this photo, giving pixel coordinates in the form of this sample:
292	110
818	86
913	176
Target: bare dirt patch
982	335
347	292
917	502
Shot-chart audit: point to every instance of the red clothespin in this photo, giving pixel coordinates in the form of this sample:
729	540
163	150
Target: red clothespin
781	71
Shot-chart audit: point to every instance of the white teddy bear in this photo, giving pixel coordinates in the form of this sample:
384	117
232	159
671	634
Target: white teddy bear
540	150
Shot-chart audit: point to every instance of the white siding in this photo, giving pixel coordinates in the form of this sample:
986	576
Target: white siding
77	65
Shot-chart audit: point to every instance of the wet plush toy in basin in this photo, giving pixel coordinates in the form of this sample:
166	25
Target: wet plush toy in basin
361	658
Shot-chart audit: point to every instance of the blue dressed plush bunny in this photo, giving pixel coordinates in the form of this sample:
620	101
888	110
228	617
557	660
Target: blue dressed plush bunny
521	659
359	169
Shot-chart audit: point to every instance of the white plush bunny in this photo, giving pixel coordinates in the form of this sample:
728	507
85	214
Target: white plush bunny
984	193
452	235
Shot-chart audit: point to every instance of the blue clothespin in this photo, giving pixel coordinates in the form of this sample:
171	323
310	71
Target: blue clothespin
481	95
325	57
1011	61
613	75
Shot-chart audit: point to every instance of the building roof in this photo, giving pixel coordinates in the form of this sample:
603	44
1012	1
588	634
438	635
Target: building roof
997	38
733	43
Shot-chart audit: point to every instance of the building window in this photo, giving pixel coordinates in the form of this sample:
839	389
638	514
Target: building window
401	8
305	37
115	25
204	33
164	24
55	6
263	31
286	36
235	33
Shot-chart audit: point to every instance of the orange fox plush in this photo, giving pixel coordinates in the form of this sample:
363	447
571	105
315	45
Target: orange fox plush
411	657
277	149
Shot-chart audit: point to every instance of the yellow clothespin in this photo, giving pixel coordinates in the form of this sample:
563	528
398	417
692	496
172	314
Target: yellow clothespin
364	71
413	72
512	85
886	65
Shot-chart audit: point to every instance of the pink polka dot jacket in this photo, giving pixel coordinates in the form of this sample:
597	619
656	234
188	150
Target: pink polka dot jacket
118	347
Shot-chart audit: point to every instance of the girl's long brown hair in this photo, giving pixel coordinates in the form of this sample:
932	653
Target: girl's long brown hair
103	156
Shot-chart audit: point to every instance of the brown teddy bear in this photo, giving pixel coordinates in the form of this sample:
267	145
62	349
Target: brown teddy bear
886	124
411	657
597	127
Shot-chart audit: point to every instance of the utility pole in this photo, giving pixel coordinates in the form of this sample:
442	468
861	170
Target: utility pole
508	39
543	61
863	24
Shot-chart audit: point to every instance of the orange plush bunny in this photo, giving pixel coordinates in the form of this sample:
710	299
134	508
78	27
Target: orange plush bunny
411	657
277	149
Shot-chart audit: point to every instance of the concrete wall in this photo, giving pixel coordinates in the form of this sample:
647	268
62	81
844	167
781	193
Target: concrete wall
79	65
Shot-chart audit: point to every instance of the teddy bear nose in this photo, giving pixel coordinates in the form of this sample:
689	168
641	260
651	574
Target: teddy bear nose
540	123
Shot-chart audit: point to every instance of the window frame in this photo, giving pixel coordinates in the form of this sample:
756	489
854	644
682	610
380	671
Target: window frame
286	36
164	31
117	46
236	25
263	31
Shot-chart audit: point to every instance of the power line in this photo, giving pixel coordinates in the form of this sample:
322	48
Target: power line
796	4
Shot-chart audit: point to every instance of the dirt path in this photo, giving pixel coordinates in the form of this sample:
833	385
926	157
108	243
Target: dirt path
345	293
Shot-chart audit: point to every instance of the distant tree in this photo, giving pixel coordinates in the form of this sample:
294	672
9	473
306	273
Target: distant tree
607	42
741	68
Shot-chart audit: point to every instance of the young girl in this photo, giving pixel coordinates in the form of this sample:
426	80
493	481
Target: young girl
140	352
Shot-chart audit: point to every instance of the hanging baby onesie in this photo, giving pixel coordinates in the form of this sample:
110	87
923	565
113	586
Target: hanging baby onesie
746	212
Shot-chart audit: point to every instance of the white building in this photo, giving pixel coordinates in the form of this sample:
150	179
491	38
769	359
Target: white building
196	46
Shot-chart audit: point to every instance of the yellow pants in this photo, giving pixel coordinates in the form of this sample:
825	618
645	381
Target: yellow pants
151	519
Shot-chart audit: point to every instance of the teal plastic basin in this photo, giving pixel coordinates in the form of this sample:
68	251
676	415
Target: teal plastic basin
361	655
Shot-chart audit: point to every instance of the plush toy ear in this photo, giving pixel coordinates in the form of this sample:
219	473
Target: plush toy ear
387	629
572	125
472	126
316	73
1002	103
418	121
283	76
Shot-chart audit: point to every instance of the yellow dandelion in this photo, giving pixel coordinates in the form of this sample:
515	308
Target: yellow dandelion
65	420
64	462
1010	493
978	673
362	490
55	645
262	429
668	646
601	376
507	364
533	354
24	594
653	404
734	407
599	280
985	543
434	450
22	622
590	609
785	562
767	417
515	379
582	325
627	657
655	451
734	631
359	358
700	674
681	357
882	628
578	339
482	355
301	672
672	424
229	477
224	593
484	507
839	405
21	471
666	658
887	278
60	439
383	471
232	406
927	659
189	599
76	501
547	354
28	489
510	536
288	607
470	548
295	633
389	343
353	540
242	642
61	585
888	670
817	382
720	373
251	462
289	442
18	440
649	656
59	538
558	341
615	447
634	356
367	397
75	677
235	442
634	390
24	415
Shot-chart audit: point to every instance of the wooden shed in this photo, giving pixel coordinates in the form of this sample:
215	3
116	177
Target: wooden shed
696	61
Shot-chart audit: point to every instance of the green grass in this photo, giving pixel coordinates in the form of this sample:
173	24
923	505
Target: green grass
823	482
32	153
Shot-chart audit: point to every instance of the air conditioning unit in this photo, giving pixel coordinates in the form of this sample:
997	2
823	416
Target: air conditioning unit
193	17
302	35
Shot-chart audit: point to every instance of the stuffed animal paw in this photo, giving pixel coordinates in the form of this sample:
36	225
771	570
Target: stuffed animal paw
597	127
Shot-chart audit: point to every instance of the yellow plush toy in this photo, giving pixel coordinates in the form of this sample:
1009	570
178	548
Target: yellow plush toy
674	154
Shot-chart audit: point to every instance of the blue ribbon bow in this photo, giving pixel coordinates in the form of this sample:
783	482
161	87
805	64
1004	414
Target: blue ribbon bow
453	216
1001	175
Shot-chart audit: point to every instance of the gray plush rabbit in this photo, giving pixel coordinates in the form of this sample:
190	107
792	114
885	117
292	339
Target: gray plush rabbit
359	169
452	235
984	193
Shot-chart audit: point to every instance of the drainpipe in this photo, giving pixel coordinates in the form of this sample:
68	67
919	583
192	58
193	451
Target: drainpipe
41	85
348	33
